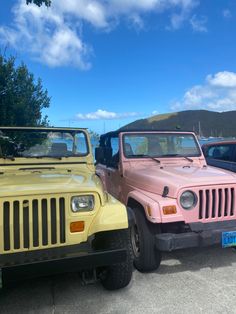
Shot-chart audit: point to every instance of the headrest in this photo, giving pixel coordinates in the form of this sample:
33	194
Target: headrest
216	153
128	149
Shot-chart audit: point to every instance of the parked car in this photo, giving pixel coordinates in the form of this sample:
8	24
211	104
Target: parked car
54	213
221	154
177	200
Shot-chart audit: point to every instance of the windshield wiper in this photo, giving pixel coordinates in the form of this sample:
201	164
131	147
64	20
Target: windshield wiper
187	158
177	155
8	157
146	156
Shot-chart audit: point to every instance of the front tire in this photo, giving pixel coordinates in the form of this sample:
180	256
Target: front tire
146	257
117	276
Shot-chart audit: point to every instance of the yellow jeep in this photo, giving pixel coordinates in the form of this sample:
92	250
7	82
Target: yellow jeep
54	213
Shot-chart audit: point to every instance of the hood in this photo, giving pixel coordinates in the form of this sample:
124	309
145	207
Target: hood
28	183
153	178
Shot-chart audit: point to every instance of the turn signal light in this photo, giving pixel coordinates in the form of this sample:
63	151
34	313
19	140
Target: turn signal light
77	226
149	210
169	210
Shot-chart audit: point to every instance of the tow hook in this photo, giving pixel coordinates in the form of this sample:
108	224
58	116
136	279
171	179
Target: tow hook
89	277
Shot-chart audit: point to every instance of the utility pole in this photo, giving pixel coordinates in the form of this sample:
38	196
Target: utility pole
199	129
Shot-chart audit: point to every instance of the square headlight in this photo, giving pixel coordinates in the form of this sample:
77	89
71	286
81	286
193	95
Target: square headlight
82	203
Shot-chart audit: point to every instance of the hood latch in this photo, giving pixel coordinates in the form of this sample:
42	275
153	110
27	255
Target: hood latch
165	191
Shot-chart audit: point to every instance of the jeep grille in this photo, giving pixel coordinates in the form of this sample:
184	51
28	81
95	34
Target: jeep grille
216	203
32	224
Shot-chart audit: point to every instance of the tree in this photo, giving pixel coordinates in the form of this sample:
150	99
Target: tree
39	2
94	139
21	98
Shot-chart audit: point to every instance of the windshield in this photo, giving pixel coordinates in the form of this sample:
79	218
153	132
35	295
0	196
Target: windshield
41	143
144	145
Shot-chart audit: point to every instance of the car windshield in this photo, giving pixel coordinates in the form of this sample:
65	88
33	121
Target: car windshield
144	145
42	143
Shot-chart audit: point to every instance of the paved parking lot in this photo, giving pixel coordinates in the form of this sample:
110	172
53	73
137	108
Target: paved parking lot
190	281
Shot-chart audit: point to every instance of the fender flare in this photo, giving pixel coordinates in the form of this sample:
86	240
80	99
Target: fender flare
149	205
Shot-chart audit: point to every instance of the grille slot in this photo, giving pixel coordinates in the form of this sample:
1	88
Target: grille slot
216	203
226	202
207	204
220	202
63	220
6	225
16	224
44	222
53	221
36	223
200	205
213	203
232	202
26	224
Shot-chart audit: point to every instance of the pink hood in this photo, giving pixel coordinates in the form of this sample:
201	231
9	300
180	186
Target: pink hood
153	178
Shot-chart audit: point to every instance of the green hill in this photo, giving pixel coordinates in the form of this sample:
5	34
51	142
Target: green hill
210	123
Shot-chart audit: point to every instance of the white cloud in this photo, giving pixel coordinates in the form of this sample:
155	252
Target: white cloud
222	79
199	24
129	6
217	93
227	14
136	21
155	112
178	19
53	35
88	10
105	115
47	35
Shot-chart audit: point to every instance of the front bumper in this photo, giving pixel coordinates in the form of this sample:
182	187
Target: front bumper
200	235
57	260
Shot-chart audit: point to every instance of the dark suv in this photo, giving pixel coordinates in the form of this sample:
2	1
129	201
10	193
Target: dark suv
221	154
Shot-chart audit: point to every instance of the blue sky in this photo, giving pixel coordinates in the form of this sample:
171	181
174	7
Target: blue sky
107	63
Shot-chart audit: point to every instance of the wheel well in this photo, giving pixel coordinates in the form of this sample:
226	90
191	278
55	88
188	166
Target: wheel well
132	203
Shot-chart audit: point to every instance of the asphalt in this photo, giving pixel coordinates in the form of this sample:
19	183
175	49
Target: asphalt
189	281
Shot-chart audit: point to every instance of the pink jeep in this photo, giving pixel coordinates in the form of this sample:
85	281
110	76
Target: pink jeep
177	200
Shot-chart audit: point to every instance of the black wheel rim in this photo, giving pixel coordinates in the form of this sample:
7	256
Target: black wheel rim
135	241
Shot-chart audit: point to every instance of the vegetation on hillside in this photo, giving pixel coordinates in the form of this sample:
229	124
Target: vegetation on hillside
203	122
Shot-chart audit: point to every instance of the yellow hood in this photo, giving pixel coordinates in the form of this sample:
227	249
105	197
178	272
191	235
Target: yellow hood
48	182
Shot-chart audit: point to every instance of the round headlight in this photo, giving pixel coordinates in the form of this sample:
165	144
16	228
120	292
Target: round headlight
188	200
82	203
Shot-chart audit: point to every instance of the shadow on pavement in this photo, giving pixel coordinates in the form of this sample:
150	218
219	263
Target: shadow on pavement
196	259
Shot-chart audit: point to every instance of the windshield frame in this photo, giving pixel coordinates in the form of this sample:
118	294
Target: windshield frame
161	133
71	131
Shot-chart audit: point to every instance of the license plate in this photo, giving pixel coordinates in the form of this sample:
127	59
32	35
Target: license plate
228	239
